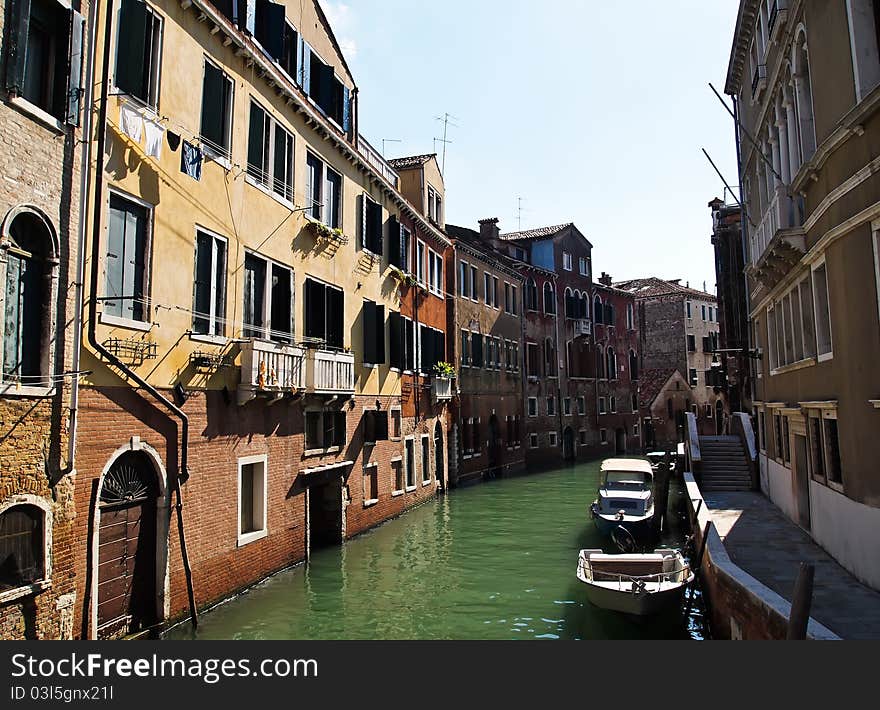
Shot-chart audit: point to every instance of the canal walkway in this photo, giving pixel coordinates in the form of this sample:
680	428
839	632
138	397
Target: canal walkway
767	545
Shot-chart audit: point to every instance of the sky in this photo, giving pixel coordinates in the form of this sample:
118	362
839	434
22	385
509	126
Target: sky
590	112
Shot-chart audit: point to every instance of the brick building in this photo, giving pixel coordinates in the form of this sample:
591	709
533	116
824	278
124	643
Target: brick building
678	329
43	124
485	324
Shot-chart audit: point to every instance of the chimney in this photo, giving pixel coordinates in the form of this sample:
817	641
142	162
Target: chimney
489	231
606	280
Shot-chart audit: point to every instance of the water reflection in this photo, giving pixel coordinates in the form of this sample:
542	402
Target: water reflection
495	561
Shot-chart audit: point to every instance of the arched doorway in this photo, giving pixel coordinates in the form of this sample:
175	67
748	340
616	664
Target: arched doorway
439	458
620	442
568	450
127	550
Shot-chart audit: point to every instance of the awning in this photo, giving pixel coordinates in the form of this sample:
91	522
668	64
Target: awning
324	469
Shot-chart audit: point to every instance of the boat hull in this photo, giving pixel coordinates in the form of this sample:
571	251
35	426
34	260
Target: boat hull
626	602
641	528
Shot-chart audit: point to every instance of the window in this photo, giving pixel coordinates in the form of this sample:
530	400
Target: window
325	431
824	339
582	406
520	255
209	287
703	312
690	310
374	334
532	295
510	299
432	349
396	430
603	436
636	430
496	298
465	348
371	229
217	97
762	430
612	402
692	343
533	406
28	292
463	279
402	353
476	442
270	154
487	287
426	459
139	52
410	463
584	267
268	300
695	379
832	449
289	46
327	92
399	481
554	439
534	360
371	484
435	206
582	437
551	406
474	294
476	350
630	317
435	273
611	357
567	263
566	406
635	404
314	187
549	358
252	487
533	441
126	260
549	300
324	314
598	310
633	365
603	406
22	546
420	262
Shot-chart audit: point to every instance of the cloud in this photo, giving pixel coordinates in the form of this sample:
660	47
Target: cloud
343	22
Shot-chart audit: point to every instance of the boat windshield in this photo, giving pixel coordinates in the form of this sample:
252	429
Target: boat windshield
628	480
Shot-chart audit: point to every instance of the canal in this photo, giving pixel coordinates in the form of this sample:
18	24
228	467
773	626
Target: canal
495	561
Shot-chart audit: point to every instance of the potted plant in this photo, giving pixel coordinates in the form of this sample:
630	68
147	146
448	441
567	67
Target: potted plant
405	278
444	370
322	232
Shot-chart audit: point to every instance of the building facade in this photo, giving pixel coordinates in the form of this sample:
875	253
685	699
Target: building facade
245	320
679	330
805	75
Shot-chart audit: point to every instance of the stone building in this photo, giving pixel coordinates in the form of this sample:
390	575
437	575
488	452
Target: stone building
678	330
246	317
805	77
43	121
665	397
485	323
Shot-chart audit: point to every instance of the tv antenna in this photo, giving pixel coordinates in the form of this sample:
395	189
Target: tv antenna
448	120
389	140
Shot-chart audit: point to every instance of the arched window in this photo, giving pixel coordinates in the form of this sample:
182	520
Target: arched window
584	306
633	365
30	263
570	309
531	295
549	358
803	97
598	311
549	300
630	317
22	546
600	363
611	358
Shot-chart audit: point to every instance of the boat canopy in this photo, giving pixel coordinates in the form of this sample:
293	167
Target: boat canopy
627	466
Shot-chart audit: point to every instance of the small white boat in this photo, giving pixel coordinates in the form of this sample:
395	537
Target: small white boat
641	585
626	498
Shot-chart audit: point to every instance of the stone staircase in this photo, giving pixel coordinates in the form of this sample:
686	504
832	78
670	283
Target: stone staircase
725	465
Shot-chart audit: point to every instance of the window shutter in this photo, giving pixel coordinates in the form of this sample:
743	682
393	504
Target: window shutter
335	317
305	68
315	310
394	242
364	221
396	340
132	48
477	349
269	27
381	426
229	9
256	131
74	73
439	347
202	284
212	105
113	261
247	20
379	335
369	325
346	110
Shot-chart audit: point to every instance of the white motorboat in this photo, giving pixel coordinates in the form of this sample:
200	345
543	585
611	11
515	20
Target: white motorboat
641	585
626	498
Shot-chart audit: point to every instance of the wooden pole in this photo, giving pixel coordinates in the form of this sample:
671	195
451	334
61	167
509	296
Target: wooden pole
661	491
698	568
801	603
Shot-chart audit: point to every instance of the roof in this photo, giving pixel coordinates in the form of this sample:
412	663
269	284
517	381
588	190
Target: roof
746	21
412	161
535	234
652	382
471	238
654	287
634	465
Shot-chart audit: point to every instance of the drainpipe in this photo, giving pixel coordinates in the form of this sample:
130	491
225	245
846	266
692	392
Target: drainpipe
183	472
85	178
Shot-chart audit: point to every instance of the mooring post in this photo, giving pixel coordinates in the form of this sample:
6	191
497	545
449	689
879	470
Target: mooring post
801	603
696	570
661	491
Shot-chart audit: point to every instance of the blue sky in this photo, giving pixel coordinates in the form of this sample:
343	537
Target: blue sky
591	112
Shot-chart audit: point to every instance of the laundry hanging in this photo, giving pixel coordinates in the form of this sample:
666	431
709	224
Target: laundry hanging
191	161
131	122
154	134
173	141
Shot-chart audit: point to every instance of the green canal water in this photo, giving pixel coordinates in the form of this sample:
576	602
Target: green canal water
494	561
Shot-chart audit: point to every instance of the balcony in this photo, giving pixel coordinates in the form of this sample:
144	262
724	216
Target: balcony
375	159
329	372
759	81
441	389
779	242
270	370
778	16
583	327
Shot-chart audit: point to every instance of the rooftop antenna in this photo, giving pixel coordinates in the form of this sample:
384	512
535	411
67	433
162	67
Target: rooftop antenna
389	140
519	213
448	120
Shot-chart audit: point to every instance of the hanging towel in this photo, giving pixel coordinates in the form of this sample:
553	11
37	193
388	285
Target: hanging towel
173	141
154	133
131	122
191	161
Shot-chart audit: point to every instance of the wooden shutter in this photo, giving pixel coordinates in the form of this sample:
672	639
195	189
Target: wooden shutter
133	20
316	297
369	326
381	426
335	317
256	139
476	350
364	221
425	346
409	335
379	335
213	106
346	110
269	27
396	340
74	68
394	242
305	67
202	284
439	347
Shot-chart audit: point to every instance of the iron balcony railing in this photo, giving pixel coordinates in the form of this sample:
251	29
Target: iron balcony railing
374	158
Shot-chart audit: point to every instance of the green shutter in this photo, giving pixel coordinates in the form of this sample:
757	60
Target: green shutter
369	328
131	49
396	340
74	66
213	106
379	335
16	45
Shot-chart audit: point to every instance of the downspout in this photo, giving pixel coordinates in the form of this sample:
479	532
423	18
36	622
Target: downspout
183	472
85	178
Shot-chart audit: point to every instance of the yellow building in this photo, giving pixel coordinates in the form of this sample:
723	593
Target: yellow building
238	294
